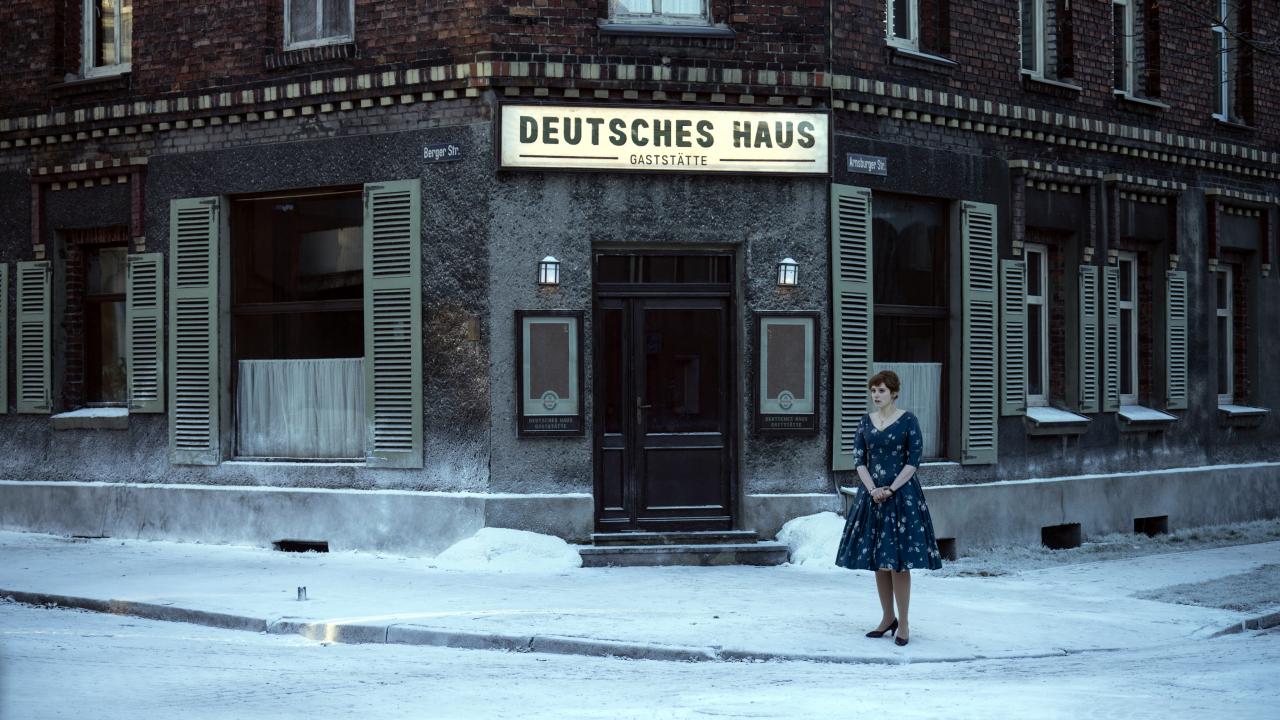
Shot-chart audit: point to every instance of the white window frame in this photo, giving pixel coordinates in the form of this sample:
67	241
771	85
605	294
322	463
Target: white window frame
1129	334
1222	45
912	42
89	42
1127	83
1040	35
658	18
1228	312
1039	304
319	41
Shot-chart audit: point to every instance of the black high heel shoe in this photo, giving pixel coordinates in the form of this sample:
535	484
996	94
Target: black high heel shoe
892	630
900	640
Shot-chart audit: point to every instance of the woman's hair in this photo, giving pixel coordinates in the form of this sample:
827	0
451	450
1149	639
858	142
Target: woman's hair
888	378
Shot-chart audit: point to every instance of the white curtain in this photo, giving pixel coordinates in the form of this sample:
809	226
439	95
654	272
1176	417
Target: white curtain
301	408
921	394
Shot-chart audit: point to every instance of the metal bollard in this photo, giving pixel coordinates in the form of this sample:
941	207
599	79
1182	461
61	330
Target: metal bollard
302	592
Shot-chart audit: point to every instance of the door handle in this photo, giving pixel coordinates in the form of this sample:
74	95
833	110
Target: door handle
640	407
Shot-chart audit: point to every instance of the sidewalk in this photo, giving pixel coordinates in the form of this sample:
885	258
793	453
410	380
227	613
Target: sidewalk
659	613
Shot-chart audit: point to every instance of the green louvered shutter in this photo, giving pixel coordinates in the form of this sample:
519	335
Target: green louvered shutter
851	291
1176	339
195	232
1013	337
1087	343
33	337
1111	338
979	362
4	338
144	307
393	324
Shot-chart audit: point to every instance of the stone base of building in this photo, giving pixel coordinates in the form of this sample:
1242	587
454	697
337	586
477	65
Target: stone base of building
1003	513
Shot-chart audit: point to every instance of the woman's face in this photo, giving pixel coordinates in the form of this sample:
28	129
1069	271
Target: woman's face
881	396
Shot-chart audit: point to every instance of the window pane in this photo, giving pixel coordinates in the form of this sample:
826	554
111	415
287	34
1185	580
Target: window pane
902	18
1224	356
1030	37
126	31
105	271
336	18
298	249
909	243
1035	266
1119	64
682	370
302	20
1224	292
910	339
631	7
1035	359
105	33
1126	353
681	7
1126	280
299	335
105	366
613	268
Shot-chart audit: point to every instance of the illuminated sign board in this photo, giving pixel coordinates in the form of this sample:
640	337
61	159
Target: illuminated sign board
550	137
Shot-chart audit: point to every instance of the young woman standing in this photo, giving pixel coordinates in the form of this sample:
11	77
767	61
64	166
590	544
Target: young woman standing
889	529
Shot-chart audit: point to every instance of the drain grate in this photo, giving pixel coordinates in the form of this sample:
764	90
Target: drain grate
320	546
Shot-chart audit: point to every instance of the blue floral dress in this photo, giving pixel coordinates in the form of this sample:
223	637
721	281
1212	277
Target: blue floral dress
897	534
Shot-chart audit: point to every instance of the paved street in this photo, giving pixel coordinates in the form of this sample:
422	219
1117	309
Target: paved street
73	664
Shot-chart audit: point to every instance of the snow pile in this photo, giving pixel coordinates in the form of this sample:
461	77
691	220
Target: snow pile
813	539
503	550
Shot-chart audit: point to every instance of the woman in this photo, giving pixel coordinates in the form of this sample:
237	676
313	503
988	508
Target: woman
889	529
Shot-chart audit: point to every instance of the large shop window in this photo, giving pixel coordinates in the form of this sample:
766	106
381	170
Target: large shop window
298	326
308	23
108	37
909	239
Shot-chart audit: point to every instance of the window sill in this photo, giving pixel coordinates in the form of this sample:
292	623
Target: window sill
90	83
1233	125
907	57
1038	83
92	418
1241	415
1148	103
1052	421
665	30
1136	418
294	57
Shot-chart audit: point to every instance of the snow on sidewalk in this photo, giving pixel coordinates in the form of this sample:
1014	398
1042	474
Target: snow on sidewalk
788	611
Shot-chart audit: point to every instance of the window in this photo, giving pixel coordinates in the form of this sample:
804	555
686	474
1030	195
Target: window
1125	51
108	37
677	12
298	325
1037	325
1226	343
104	324
909	243
902	23
308	23
1034	37
1128	305
1231	65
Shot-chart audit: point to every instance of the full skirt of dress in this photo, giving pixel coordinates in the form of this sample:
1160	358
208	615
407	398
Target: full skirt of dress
894	535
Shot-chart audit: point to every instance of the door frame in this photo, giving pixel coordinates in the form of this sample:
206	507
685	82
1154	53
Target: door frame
733	376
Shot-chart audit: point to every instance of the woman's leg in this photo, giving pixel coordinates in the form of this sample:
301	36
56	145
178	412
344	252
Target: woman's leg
902	590
884	588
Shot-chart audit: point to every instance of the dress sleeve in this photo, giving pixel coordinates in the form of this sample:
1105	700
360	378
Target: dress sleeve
915	441
860	444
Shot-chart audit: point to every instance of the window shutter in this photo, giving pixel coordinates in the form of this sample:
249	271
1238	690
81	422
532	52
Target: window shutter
144	331
4	338
33	337
979	363
1087	346
853	326
1111	338
393	324
1013	337
195	235
1176	339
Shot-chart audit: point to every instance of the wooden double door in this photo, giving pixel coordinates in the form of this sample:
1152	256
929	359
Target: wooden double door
664	408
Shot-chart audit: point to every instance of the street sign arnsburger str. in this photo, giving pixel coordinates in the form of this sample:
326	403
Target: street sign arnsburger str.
663	139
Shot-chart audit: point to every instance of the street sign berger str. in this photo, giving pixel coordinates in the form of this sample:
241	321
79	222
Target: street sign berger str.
663	139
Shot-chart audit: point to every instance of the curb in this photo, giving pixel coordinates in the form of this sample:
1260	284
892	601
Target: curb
1262	622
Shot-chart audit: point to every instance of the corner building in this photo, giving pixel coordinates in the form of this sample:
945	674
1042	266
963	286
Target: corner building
382	273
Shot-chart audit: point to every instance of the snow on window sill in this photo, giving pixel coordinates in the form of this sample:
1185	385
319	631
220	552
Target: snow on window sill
1032	81
1230	415
92	418
1143	419
1052	421
911	57
653	27
1125	96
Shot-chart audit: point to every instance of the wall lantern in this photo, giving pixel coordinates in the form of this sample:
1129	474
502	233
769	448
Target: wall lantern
787	270
549	271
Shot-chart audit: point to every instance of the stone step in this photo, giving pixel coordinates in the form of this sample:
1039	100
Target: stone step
699	537
755	553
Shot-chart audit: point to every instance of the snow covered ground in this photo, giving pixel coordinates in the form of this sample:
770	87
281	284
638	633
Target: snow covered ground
72	664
